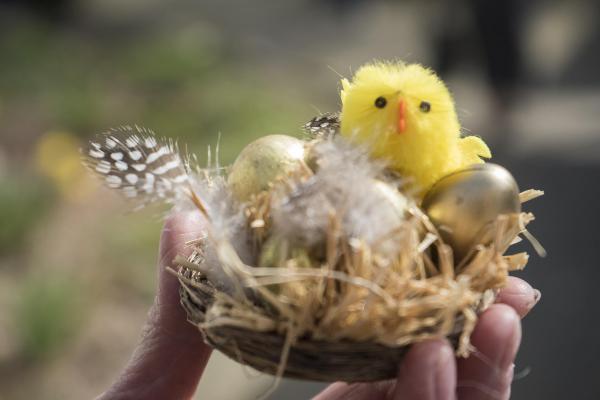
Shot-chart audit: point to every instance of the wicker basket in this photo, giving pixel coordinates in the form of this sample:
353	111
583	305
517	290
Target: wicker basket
308	359
270	344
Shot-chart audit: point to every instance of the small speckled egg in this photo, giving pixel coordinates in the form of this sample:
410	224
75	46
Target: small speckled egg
261	162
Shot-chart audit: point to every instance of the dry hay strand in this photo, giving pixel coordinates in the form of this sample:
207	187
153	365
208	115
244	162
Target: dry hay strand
350	315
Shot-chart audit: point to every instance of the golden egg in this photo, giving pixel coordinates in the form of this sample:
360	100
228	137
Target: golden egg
261	162
465	202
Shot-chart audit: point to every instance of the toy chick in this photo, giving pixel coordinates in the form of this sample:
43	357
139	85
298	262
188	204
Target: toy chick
406	115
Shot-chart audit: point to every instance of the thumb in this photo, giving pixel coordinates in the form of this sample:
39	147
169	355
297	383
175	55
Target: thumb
171	356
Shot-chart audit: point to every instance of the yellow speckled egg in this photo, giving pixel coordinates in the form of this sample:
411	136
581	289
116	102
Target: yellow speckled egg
262	161
463	203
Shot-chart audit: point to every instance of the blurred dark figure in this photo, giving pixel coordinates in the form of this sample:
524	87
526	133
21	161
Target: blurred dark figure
485	33
345	4
340	7
499	25
52	11
494	34
585	74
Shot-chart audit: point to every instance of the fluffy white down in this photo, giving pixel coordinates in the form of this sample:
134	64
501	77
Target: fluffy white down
227	224
348	183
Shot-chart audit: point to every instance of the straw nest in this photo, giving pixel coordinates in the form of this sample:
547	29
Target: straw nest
321	296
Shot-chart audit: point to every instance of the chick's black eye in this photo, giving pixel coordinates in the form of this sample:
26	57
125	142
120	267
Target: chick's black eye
380	102
425	106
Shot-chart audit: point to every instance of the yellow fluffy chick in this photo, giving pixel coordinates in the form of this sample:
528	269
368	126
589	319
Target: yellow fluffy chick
406	115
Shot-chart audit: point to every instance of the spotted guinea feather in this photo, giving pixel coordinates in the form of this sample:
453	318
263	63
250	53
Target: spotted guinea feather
324	126
143	167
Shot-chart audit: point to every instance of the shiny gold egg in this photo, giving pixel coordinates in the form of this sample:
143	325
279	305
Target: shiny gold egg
465	202
261	162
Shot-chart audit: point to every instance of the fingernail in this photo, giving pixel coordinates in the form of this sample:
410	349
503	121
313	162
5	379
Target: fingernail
445	374
537	295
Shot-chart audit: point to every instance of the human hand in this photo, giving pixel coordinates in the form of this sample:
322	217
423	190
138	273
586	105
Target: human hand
171	356
430	371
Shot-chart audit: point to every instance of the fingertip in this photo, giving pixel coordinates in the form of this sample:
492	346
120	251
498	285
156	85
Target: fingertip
496	338
498	334
178	229
427	352
172	355
445	372
427	372
356	391
519	295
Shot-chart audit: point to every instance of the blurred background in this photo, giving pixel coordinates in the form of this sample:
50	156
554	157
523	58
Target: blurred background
77	272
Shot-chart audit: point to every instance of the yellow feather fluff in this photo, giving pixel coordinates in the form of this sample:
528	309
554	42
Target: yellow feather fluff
406	115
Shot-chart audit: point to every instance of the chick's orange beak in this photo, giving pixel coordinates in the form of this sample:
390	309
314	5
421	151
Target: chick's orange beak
401	116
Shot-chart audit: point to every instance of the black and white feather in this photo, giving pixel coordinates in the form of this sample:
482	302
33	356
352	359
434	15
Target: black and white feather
141	166
324	126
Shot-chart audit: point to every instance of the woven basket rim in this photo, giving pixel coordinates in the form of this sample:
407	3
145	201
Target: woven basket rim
308	358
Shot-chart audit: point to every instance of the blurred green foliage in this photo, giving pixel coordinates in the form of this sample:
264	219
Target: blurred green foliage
23	203
182	83
133	252
48	315
60	84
